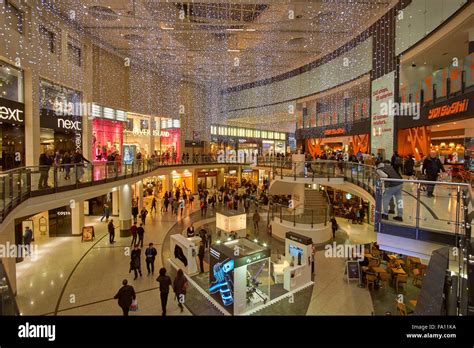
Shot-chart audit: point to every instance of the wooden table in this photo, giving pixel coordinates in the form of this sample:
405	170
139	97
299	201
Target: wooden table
413	302
398	271
379	269
400	262
392	257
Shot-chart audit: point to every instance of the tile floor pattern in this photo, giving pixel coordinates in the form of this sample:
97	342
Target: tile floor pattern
69	277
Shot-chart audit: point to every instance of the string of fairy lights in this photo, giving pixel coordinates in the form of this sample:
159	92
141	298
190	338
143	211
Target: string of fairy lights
181	53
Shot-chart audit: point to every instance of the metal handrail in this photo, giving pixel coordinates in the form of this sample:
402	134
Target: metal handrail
16	184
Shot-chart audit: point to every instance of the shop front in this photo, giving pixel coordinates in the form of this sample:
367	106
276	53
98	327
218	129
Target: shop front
61	120
107	133
446	127
170	137
12	121
343	138
182	179
207	179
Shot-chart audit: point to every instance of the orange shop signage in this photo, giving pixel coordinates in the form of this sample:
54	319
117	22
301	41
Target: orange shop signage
334	131
448	110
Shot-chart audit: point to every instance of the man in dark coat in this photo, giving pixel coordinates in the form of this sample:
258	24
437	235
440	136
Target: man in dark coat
135	261
432	166
45	162
125	297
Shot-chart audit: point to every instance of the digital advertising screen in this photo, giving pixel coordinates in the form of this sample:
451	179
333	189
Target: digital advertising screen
221	279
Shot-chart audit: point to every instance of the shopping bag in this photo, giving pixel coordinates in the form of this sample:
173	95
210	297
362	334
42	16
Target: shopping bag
134	306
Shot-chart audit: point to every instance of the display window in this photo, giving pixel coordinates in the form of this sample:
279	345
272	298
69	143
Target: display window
12	121
107	138
207	179
182	180
60	118
170	142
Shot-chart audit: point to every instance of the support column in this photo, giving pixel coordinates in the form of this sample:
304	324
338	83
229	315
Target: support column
139	188
125	210
115	202
471	41
77	218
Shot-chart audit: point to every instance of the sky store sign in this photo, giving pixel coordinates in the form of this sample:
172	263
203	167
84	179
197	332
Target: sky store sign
11	112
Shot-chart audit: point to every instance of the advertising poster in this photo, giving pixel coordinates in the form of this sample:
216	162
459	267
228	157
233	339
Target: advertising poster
221	279
88	233
382	123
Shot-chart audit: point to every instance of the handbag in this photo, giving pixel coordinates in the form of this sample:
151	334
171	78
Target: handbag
134	306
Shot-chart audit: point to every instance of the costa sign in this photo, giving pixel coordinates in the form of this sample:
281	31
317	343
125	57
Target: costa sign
11	112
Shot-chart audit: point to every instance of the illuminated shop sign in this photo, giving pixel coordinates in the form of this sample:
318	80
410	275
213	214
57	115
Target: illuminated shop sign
147	132
449	109
11	112
336	131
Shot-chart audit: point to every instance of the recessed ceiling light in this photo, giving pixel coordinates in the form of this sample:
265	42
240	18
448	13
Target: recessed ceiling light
233	50
235	29
250	29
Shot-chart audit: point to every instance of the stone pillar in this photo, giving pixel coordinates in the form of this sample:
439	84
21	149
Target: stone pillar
32	118
139	193
125	210
77	218
115	202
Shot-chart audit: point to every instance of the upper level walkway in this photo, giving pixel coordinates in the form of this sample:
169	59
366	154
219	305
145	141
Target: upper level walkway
28	190
441	219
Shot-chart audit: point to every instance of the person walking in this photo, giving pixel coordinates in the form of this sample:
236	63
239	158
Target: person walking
153	205
175	206
409	166
78	159
143	214
203	235
334	227
111	229
167	202
432	166
190	231
134	231
45	163
141	234
392	189
180	284
67	165
135	211
256	220
105	213
135	261
181	206
165	283
150	255
27	238
125	297
201	254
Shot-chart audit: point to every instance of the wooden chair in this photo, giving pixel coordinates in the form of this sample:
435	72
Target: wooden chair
370	280
401	309
401	278
417	276
384	277
373	263
423	269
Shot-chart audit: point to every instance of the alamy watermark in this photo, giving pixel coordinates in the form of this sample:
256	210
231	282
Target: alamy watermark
346	251
9	250
392	108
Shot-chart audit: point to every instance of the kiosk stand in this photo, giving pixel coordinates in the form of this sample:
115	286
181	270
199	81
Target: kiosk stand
184	252
232	220
239	275
295	269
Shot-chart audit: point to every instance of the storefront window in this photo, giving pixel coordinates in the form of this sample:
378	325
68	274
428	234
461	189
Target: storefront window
107	138
60	118
12	121
11	83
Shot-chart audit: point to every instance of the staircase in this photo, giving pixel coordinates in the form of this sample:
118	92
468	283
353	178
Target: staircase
314	200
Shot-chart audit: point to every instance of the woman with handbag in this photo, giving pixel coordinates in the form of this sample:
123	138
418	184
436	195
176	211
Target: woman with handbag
180	284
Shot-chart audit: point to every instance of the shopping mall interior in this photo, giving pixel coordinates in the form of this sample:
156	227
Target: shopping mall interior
246	158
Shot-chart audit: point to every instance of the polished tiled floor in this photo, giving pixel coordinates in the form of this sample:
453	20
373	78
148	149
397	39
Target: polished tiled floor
73	278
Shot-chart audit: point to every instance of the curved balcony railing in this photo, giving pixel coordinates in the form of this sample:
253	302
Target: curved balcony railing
362	175
17	185
299	216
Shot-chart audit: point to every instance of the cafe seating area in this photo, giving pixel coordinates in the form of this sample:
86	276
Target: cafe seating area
393	280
